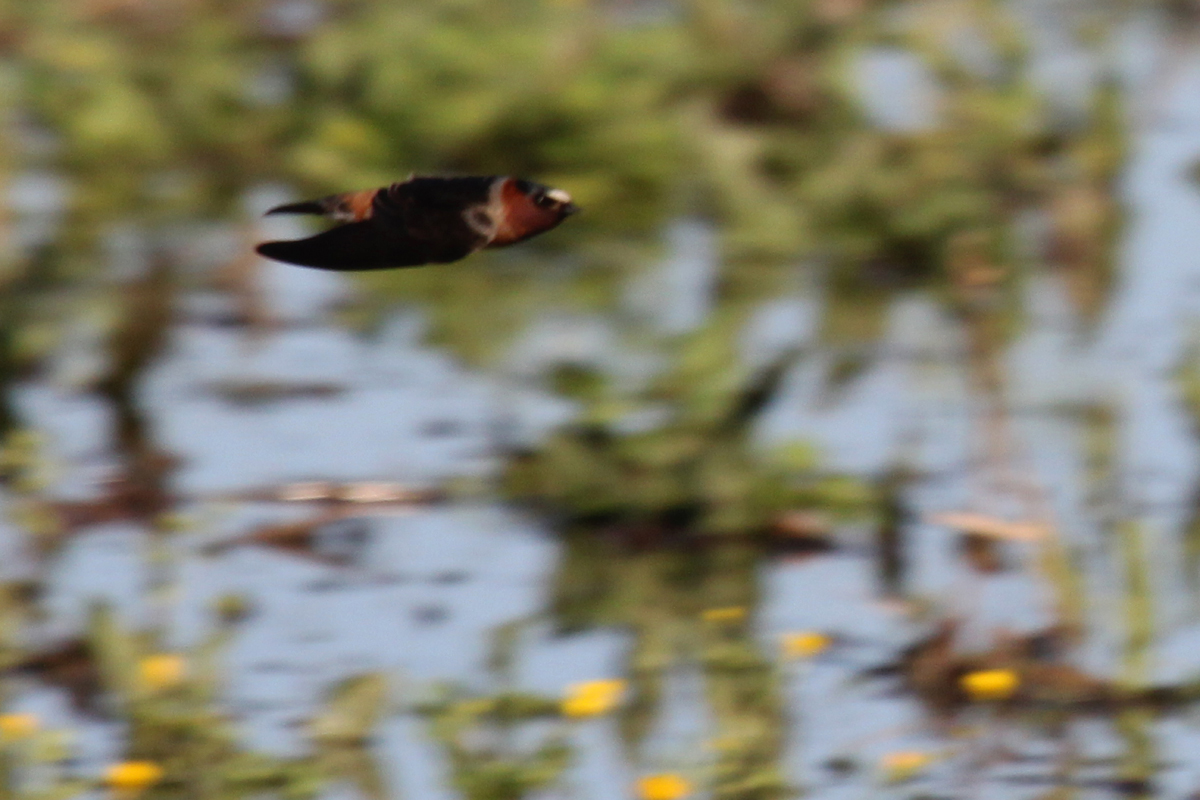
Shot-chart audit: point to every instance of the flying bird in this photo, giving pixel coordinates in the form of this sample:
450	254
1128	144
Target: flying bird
422	220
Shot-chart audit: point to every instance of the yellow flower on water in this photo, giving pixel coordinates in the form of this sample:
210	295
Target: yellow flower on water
726	614
17	726
805	644
667	786
990	684
161	671
592	698
131	777
904	765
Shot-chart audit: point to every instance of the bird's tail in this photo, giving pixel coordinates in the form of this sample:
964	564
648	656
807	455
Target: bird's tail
304	207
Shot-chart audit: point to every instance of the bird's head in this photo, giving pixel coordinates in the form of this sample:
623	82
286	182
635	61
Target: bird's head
550	203
530	209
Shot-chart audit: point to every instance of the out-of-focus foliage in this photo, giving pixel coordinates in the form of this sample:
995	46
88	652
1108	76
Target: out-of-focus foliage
149	107
750	115
181	727
493	745
170	109
694	467
746	114
660	592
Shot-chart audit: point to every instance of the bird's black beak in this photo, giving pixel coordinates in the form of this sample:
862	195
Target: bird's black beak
569	209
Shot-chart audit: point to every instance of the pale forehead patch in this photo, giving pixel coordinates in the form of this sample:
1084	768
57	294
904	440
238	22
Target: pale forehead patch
559	196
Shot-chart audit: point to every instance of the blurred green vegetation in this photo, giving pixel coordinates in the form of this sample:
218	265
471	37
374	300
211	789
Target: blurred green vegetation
700	471
180	726
160	115
496	750
684	605
745	114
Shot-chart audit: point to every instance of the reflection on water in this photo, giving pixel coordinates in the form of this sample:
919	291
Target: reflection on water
419	591
312	515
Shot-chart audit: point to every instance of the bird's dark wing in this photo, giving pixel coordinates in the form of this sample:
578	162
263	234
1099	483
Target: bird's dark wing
371	244
419	221
353	246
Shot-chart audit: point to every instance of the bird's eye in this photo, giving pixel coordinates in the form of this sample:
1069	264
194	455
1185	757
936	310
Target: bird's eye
542	201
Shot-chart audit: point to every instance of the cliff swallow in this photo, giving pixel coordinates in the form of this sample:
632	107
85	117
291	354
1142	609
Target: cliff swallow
422	220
